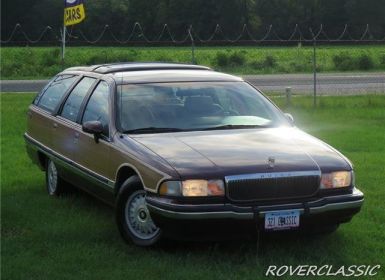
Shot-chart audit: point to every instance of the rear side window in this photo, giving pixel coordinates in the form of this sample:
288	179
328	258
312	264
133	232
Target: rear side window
53	93
97	107
75	99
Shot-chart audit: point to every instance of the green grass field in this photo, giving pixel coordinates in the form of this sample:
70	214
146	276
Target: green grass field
75	237
44	62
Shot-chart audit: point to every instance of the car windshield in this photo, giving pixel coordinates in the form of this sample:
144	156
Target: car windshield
168	107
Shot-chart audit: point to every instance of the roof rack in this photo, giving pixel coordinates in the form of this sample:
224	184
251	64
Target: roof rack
144	66
136	66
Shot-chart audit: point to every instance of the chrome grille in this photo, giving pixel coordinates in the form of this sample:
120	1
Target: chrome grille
274	185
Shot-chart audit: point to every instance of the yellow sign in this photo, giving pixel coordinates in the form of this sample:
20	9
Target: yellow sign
73	12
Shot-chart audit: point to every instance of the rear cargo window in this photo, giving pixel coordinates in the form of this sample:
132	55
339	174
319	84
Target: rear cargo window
52	94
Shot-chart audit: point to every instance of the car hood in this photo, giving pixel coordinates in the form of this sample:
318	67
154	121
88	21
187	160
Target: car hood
210	154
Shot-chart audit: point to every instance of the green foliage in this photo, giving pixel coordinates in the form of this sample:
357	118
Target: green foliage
237	58
43	62
269	61
344	62
75	236
221	59
365	62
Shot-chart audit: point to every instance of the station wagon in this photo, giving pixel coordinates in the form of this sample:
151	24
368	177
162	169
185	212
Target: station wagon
182	151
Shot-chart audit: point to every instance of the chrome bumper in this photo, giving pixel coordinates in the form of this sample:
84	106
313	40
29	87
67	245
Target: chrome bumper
347	202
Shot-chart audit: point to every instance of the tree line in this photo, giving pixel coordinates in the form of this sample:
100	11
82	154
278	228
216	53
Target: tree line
204	15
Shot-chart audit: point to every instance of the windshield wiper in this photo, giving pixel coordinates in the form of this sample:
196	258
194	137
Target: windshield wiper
153	129
233	126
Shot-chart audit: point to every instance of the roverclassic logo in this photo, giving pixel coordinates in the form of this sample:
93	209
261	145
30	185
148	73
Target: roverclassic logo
324	270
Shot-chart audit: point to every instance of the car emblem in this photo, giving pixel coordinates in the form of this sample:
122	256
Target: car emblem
271	162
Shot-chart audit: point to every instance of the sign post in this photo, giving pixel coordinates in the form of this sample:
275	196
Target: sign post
73	14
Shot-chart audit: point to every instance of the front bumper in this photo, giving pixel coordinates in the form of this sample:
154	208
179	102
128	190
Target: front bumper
326	210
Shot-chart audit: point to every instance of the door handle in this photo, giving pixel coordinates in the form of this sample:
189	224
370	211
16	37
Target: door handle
54	125
77	135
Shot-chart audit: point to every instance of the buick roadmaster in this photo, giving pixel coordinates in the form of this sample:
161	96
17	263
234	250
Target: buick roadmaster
184	151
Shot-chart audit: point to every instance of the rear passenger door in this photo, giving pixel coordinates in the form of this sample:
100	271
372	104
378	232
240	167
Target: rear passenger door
65	126
40	114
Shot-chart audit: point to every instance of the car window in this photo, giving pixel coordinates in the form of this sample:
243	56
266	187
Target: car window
97	106
75	99
53	93
194	106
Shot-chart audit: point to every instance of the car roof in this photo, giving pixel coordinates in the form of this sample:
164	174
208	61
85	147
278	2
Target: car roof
151	72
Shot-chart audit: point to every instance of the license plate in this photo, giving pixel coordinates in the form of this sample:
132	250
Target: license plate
282	219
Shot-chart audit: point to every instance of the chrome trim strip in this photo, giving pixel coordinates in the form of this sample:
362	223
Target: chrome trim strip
269	175
250	215
200	215
336	206
71	163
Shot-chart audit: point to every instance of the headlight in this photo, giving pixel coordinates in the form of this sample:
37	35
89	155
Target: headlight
193	188
338	179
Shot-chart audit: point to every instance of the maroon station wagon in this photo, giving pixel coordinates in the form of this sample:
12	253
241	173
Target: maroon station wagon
185	152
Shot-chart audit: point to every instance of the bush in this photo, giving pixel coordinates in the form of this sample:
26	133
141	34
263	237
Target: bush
344	62
51	58
382	59
237	59
97	58
269	61
365	62
297	66
221	59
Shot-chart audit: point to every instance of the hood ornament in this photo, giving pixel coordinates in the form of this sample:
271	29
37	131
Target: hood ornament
271	162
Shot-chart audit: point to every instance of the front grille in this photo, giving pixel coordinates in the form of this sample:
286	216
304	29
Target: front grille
271	186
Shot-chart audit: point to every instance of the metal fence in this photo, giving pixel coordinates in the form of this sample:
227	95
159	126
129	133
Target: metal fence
75	35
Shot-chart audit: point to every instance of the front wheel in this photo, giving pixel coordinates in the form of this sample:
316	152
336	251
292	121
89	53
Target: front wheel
133	218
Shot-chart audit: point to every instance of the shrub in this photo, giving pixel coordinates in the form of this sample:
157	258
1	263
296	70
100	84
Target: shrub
269	61
382	59
221	59
97	58
297	66
365	62
256	64
344	62
237	59
50	58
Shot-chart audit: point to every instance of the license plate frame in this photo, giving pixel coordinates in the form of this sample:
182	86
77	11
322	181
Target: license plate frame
282	220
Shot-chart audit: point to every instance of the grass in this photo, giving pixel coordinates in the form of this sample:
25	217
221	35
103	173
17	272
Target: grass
44	62
75	236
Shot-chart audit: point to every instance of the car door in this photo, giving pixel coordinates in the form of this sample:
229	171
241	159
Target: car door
65	127
40	113
91	154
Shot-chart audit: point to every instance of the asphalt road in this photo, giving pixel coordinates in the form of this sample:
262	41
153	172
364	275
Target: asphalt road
335	84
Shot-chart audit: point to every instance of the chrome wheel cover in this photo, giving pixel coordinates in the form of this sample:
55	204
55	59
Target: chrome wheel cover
52	177
138	218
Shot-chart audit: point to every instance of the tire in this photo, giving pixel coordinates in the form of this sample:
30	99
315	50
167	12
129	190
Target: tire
54	184
132	216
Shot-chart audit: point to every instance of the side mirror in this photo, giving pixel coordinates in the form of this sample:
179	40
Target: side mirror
93	127
289	117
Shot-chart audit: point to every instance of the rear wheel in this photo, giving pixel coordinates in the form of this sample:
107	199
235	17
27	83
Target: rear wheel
55	184
133	218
